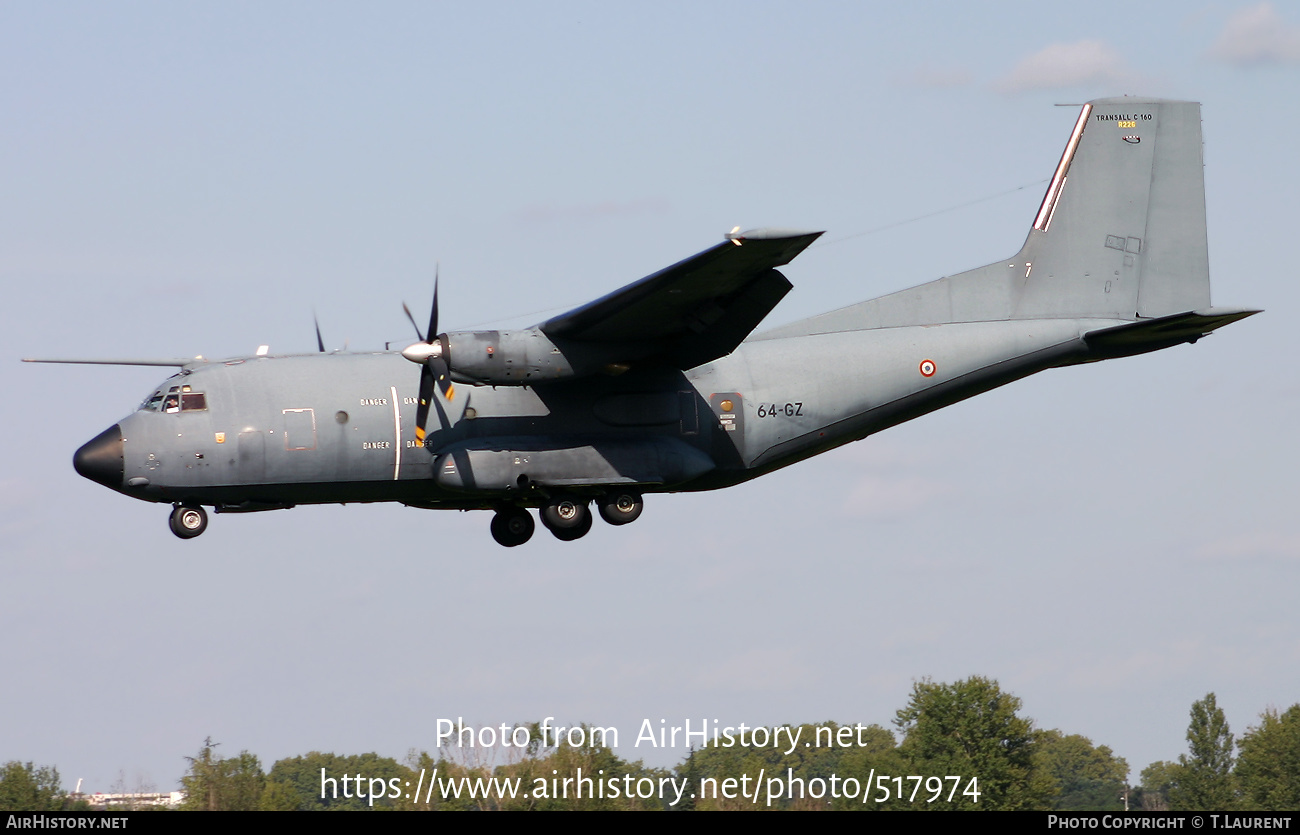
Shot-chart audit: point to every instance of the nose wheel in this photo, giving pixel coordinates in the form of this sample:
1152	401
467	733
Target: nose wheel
188	521
512	526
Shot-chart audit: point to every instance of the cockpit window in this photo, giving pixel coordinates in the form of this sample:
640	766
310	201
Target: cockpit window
152	402
175	399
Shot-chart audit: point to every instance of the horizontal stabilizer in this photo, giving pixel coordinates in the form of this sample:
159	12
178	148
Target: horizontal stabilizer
1154	334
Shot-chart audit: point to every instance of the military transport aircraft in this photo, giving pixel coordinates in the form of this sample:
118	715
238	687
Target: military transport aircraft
660	386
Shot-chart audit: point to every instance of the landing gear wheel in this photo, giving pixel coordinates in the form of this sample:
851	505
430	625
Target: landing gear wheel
568	519
570	534
621	507
188	522
512	526
566	515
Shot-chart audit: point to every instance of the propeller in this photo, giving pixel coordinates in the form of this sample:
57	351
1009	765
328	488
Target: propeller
320	343
435	382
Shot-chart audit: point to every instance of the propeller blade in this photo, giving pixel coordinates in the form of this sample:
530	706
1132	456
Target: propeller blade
320	343
451	400
436	387
433	313
442	375
427	387
418	335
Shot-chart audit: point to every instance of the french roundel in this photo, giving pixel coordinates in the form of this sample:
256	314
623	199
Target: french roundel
927	368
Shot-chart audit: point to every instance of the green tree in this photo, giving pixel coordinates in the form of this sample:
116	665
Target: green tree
1268	768
27	788
319	782
971	729
278	797
216	784
874	752
1206	782
1087	778
812	759
597	763
1158	782
539	772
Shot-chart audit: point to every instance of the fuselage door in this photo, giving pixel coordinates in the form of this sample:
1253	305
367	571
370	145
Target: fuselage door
299	429
252	456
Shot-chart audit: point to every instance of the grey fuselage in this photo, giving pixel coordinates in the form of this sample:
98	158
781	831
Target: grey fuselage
285	430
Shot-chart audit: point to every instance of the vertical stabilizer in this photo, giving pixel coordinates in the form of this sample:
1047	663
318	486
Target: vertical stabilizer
1121	231
1120	235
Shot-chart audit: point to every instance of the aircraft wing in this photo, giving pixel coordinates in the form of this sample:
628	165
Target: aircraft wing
178	362
694	311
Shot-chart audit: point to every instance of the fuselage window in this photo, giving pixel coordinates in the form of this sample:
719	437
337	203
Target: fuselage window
153	401
194	401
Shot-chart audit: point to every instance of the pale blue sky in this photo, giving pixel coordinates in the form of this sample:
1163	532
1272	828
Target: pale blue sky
1110	542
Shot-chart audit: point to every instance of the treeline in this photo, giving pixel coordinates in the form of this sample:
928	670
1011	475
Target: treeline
963	745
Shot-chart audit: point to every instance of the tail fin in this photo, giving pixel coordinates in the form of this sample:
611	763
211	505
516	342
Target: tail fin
1120	236
1121	231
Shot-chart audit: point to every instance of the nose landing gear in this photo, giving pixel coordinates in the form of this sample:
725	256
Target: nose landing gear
188	521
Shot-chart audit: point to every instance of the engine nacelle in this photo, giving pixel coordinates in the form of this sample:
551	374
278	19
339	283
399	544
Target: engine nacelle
515	358
519	358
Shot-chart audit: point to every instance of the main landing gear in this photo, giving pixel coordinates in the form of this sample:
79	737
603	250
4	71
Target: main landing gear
512	526
188	521
621	507
567	518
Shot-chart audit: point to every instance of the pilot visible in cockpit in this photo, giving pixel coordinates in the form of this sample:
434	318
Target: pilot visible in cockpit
172	404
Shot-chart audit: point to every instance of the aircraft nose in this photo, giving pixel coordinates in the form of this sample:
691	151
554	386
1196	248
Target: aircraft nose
100	459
